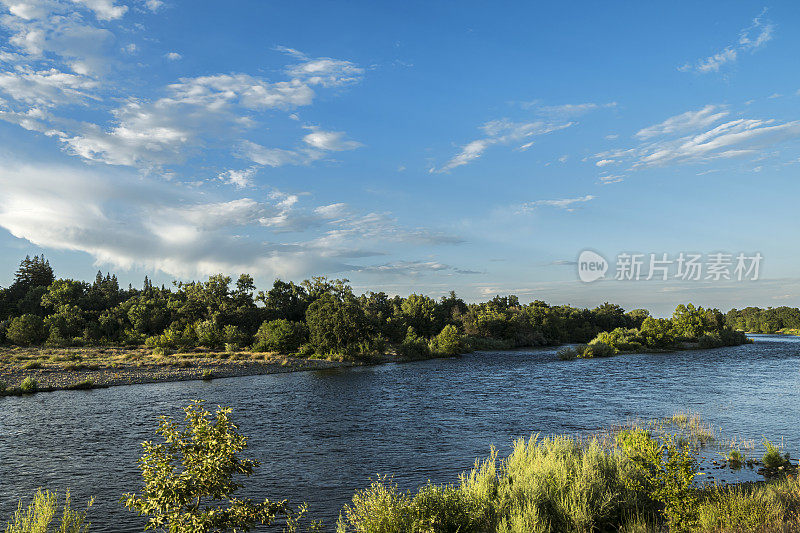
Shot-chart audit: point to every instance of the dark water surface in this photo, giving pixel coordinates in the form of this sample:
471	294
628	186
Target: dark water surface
321	435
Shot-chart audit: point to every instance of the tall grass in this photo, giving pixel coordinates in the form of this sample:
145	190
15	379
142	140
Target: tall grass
554	484
565	484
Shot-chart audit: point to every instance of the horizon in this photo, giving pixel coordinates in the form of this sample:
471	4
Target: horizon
408	149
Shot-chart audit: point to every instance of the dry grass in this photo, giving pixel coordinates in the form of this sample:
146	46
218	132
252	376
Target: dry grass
75	359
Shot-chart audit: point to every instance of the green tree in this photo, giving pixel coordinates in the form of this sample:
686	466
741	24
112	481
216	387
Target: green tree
447	342
26	330
189	479
336	324
280	335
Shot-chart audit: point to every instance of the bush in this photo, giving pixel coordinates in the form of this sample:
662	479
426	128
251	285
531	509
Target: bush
32	365
567	353
208	333
773	459
2	387
26	330
378	508
86	384
665	471
597	349
735	459
29	385
447	342
199	496
280	336
414	346
208	375
767	508
39	514
233	337
555	484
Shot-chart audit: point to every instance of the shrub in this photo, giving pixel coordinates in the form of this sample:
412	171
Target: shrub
665	471
208	375
208	333
770	507
597	349
189	479
32	365
735	459
561	484
86	384
39	514
414	346
381	507
772	458
29	385
443	509
280	336
567	353
2	387
233	337
447	342
26	330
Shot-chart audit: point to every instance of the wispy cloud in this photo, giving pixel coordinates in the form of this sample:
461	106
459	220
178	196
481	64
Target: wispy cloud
699	137
688	121
500	132
413	268
750	39
568	204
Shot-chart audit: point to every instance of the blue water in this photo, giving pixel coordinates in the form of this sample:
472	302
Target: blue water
322	435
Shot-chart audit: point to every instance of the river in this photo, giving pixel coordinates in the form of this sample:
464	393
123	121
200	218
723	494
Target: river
321	435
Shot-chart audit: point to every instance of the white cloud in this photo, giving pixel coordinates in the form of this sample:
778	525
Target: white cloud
41	27
326	72
153	5
564	203
240	179
688	121
48	88
329	140
604	162
499	132
750	39
574	110
271	157
126	221
104	9
196	112
173	56
607	179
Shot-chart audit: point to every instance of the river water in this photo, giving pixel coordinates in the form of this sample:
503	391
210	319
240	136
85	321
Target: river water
322	435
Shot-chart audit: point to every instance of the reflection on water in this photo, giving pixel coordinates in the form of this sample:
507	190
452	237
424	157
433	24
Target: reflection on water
321	435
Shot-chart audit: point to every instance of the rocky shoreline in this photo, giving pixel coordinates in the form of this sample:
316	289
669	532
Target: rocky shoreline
52	379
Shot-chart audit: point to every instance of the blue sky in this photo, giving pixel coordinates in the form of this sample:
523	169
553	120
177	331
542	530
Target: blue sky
408	147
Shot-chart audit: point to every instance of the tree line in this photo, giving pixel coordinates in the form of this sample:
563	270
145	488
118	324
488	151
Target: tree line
769	320
317	316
